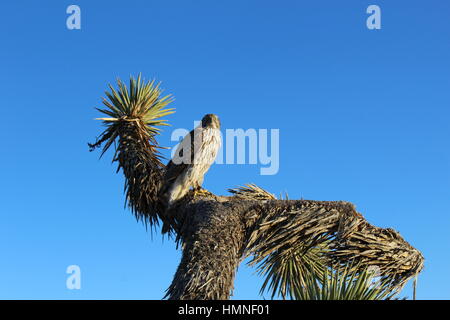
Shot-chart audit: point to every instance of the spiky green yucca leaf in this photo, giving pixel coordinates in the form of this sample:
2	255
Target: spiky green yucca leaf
141	103
344	283
134	116
286	269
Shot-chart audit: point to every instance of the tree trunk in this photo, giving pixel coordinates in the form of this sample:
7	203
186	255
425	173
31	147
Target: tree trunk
213	237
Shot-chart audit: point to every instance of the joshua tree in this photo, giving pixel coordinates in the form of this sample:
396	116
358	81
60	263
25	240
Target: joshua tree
293	243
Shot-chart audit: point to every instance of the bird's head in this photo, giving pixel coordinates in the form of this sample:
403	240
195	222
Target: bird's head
211	121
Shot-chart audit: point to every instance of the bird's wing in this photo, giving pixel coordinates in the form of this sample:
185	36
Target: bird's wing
174	169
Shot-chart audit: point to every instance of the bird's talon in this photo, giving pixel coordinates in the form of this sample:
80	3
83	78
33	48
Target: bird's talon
200	192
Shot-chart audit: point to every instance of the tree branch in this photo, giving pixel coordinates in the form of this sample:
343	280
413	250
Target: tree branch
290	225
216	236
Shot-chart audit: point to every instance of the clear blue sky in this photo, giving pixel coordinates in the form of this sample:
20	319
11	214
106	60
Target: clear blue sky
363	117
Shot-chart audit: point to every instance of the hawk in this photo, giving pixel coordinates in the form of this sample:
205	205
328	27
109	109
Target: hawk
192	159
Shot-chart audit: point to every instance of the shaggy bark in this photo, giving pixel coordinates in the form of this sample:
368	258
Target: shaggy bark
142	170
213	237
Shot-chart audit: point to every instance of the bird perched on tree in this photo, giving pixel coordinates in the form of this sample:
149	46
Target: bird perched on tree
192	159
